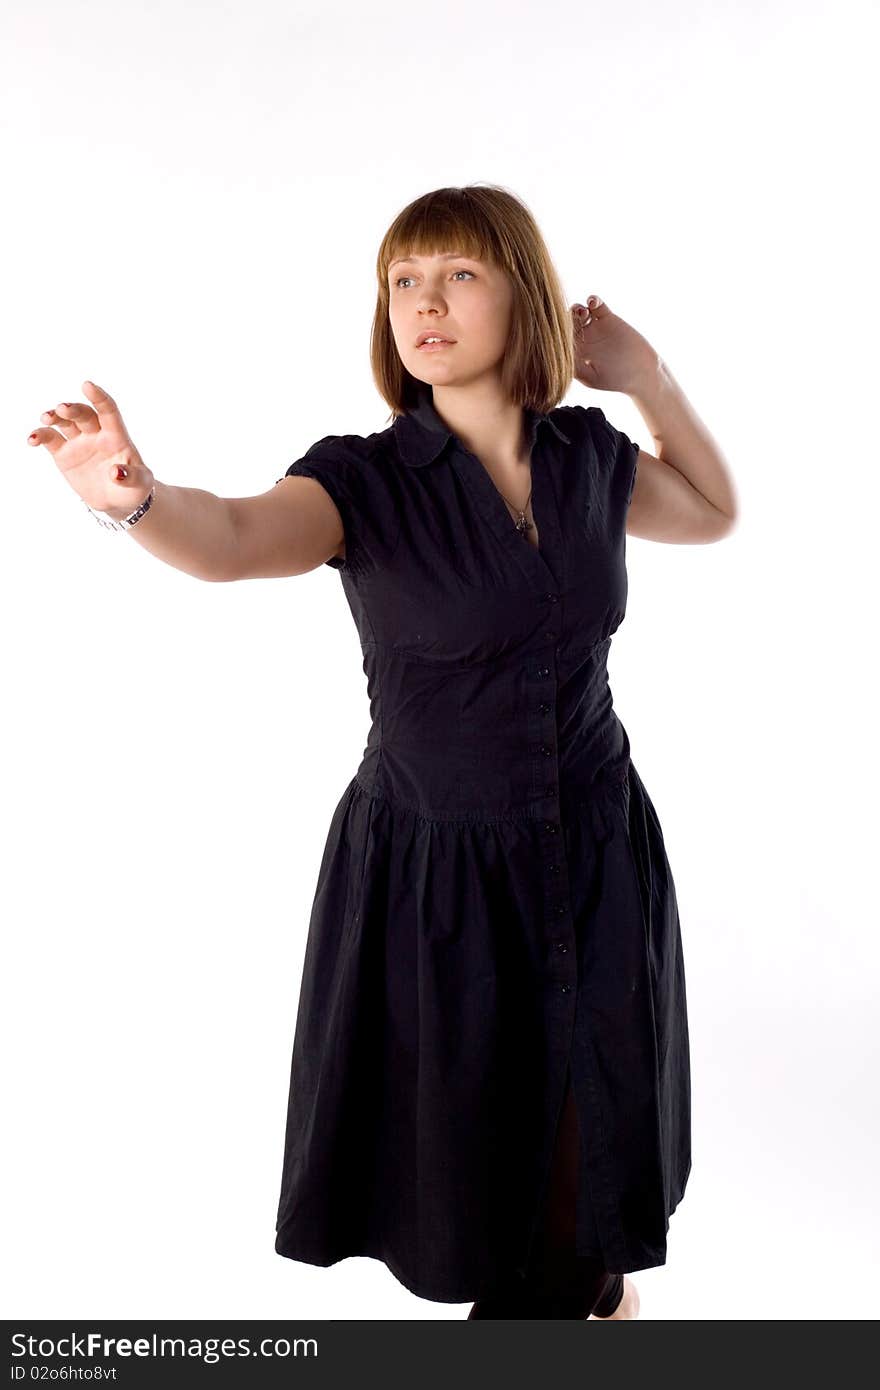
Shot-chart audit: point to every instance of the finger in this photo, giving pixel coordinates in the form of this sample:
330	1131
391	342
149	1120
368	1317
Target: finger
60	417
83	417
51	438
108	410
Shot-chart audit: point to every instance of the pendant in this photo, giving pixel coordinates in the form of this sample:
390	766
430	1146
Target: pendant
523	524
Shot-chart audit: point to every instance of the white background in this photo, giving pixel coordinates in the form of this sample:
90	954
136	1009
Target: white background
194	198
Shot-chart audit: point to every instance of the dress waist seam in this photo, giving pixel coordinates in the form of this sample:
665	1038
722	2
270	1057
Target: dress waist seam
602	786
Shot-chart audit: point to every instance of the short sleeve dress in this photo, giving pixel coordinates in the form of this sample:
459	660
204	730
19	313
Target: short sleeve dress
494	910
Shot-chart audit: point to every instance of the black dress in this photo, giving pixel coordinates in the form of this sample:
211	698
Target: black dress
494	903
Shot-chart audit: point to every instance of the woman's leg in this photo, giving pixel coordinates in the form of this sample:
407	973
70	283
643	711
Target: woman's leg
559	1283
567	1284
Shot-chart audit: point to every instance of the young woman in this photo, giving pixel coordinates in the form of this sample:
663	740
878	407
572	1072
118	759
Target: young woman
490	1084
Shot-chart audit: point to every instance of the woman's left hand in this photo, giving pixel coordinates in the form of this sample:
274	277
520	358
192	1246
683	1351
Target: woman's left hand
609	354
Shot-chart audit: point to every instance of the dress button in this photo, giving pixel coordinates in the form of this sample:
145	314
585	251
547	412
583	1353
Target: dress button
565	988
561	946
560	912
545	750
552	598
551	789
544	707
554	868
550	827
551	635
543	671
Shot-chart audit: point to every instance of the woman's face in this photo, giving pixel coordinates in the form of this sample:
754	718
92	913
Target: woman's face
456	297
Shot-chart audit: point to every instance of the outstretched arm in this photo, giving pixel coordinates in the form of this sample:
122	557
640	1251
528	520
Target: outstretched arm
291	529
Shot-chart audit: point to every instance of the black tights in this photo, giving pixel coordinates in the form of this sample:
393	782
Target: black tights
559	1283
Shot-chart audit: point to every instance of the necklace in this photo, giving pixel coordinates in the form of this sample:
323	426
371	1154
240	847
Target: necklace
522	523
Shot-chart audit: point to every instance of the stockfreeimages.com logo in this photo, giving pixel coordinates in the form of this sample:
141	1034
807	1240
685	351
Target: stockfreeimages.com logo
94	1346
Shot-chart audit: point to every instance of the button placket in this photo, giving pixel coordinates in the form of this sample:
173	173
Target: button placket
545	766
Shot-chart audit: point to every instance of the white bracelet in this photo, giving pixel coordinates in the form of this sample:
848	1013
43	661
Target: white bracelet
127	521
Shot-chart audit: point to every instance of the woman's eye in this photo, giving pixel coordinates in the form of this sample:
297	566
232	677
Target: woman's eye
399	282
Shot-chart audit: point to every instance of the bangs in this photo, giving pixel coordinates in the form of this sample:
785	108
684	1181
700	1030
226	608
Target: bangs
444	221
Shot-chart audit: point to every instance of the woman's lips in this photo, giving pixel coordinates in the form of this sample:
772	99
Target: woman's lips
435	347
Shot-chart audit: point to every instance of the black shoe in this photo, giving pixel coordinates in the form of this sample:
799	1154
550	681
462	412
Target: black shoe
611	1297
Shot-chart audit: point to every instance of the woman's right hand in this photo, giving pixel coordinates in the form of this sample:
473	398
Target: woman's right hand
89	443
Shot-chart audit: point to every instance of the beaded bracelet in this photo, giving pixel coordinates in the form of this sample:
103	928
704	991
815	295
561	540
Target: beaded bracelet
127	521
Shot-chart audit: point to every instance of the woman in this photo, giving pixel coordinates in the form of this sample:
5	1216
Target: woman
490	1086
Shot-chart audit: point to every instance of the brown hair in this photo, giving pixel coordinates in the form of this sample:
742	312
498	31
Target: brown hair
485	221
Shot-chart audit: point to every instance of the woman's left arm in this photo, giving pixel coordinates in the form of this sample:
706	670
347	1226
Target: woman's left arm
685	446
684	493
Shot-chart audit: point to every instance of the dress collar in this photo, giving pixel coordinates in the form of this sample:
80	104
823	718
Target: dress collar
421	434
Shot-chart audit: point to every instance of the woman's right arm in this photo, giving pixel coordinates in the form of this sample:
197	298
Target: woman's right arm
291	529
